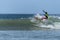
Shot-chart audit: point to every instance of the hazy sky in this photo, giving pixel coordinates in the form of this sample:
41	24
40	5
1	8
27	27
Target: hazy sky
29	6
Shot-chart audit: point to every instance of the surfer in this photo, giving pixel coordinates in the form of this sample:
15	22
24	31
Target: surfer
38	17
46	15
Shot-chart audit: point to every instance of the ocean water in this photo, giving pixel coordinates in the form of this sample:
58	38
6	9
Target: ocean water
17	16
30	35
52	34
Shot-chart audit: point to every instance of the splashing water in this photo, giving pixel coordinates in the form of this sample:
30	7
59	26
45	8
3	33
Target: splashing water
53	22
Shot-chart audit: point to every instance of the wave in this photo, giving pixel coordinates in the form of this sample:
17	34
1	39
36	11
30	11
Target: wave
52	23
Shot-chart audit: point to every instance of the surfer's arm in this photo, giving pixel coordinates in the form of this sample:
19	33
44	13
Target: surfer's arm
43	11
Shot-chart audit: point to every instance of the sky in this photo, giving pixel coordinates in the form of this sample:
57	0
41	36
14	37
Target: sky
30	6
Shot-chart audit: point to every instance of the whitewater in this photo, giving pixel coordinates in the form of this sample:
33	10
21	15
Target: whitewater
52	23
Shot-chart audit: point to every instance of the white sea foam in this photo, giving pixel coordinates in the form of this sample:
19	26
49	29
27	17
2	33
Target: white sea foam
59	17
53	22
57	25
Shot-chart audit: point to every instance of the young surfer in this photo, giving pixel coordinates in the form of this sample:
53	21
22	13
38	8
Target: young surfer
38	17
46	15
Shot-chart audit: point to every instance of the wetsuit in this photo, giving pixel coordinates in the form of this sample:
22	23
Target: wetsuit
46	15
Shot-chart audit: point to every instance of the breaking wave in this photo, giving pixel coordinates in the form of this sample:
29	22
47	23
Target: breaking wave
53	22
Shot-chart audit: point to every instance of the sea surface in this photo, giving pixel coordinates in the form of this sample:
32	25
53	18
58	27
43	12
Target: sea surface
28	34
17	16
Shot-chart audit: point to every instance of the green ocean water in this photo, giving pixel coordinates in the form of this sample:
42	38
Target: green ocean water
24	29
